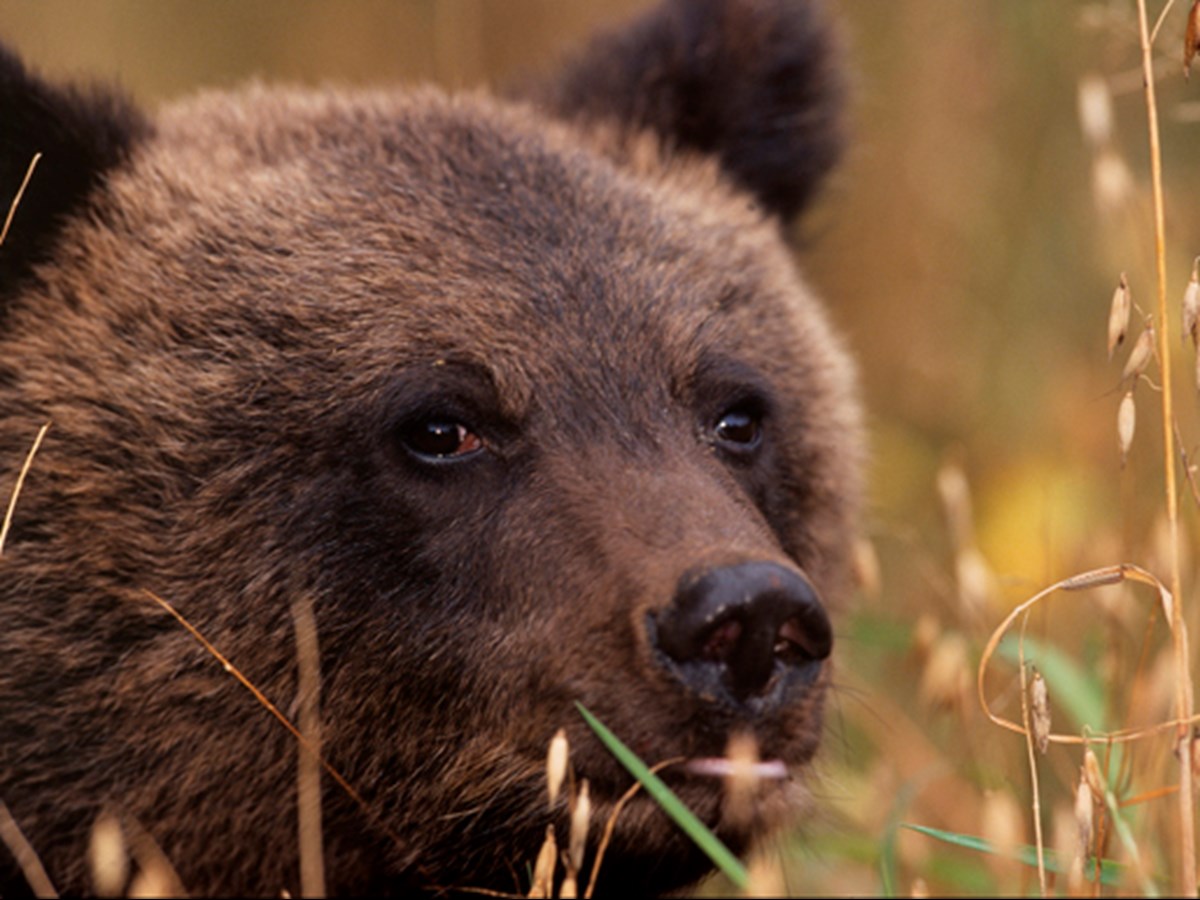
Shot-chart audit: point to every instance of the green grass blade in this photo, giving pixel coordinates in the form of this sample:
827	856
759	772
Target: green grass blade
699	833
1110	872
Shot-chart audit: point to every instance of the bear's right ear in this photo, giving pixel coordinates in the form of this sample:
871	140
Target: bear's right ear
755	82
81	135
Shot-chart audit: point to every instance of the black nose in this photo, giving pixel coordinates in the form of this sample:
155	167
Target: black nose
739	628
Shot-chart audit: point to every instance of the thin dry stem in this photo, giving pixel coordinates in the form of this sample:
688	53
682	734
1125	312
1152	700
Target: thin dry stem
12	501
282	719
26	857
308	764
611	824
157	875
1095	578
1183	684
1162	17
1033	769
12	207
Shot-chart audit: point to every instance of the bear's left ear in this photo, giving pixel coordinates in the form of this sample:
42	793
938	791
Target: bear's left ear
81	134
755	82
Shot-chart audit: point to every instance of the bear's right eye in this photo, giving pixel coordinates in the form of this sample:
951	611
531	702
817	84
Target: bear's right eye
440	440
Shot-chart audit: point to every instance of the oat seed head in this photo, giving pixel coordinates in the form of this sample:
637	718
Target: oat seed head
1039	709
1191	305
1112	181
1126	422
556	764
742	782
1092	776
108	856
1084	807
1191	38
581	817
1095	109
1118	315
1140	355
543	870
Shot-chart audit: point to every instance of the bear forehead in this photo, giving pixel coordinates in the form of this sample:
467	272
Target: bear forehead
444	226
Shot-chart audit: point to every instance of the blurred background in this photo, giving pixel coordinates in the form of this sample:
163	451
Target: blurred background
969	247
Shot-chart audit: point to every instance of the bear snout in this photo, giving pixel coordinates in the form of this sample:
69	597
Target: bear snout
750	635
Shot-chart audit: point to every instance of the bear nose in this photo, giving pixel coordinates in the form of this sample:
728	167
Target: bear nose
741	627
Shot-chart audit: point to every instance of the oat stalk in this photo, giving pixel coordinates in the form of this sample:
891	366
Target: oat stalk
283	720
1183	685
24	855
308	761
1123	572
16	201
1033	769
12	502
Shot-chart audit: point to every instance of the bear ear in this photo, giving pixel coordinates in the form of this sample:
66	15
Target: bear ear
80	133
755	82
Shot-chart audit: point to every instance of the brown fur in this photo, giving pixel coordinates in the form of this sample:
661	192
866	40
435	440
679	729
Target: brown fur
226	328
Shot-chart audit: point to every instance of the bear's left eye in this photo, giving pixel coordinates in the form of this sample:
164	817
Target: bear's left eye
438	440
739	430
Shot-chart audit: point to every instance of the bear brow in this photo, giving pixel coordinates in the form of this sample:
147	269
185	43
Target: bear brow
487	388
719	373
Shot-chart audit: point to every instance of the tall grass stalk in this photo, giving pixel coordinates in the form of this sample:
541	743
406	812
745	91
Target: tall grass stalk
1183	686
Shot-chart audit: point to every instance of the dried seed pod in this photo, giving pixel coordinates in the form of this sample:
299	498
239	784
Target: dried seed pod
1112	181
1195	744
154	880
742	782
1084	816
1091	775
1084	811
976	584
925	634
946	680
765	876
1039	711
556	763
1003	826
543	869
1191	38
866	568
1141	354
109	856
955	492
1191	305
1095	109
1126	422
580	820
1118	315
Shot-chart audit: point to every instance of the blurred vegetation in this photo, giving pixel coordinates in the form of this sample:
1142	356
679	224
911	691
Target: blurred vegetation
970	259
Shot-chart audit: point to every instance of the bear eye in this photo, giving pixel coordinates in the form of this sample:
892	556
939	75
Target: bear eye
439	440
739	430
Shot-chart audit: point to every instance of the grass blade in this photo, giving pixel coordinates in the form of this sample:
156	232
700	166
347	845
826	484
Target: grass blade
1110	872
699	833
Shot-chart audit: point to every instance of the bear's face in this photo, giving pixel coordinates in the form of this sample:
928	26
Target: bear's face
527	401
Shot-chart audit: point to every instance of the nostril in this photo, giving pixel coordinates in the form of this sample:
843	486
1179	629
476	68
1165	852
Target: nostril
796	645
738	629
721	642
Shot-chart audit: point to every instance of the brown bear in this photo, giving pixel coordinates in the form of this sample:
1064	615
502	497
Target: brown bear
522	395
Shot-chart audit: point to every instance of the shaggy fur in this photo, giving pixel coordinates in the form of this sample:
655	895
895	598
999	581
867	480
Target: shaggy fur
237	315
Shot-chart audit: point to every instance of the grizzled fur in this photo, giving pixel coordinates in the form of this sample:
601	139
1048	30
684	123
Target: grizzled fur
235	313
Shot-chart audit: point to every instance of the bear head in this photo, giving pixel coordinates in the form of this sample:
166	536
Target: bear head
521	398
